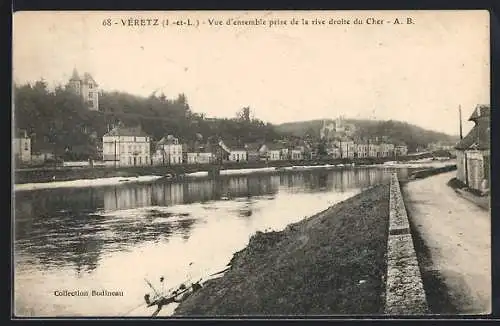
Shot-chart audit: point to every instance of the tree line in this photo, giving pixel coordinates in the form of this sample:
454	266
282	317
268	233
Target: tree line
59	121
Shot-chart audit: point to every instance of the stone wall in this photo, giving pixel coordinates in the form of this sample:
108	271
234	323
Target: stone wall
405	293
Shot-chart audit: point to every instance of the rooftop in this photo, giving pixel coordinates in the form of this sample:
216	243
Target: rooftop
126	131
477	138
87	78
481	110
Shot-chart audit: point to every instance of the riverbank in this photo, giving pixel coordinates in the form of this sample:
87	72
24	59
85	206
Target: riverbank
332	263
100	182
57	173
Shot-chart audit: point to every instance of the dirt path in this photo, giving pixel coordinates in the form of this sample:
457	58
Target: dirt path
453	242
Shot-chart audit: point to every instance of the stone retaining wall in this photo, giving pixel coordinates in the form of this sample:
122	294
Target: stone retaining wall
405	293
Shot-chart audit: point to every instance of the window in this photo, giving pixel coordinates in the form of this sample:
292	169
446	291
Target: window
90	96
140	160
129	161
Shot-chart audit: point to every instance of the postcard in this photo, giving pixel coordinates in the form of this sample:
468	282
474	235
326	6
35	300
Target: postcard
251	163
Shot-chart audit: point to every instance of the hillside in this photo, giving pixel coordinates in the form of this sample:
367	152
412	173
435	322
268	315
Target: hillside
395	131
59	121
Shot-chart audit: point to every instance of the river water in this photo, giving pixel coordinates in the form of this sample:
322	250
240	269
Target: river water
114	238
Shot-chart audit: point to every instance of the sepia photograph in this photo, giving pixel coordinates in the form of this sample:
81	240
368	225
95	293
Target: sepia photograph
250	164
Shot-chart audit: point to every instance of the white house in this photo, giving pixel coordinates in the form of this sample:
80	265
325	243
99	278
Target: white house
200	158
238	155
373	150
362	150
168	151
386	150
273	152
124	146
21	144
296	154
347	148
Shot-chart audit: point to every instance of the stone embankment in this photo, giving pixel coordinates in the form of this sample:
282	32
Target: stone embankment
405	293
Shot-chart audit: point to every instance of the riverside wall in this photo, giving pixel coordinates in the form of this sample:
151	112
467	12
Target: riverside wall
405	293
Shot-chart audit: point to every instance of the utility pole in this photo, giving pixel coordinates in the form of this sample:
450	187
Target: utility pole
460	117
465	149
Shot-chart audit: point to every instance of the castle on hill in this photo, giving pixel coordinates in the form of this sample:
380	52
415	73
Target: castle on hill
86	87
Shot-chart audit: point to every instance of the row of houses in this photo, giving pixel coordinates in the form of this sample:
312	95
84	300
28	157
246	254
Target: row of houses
351	149
131	146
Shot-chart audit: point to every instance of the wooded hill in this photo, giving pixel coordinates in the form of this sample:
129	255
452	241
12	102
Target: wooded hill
58	120
394	131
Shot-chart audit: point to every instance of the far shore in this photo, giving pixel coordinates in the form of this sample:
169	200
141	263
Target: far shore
75	179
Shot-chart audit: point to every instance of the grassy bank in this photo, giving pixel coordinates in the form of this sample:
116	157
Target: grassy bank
329	264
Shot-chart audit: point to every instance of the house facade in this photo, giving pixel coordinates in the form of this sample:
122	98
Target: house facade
168	151
126	146
253	152
386	150
373	150
401	150
296	154
200	158
362	150
473	152
347	148
86	87
238	155
21	146
273	152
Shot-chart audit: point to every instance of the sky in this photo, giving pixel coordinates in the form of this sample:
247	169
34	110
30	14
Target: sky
419	73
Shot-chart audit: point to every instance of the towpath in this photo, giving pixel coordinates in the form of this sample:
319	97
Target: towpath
452	239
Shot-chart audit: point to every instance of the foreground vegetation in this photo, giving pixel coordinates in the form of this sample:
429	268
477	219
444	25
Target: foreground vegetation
331	263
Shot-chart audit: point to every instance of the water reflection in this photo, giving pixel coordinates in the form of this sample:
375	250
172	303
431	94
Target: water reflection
82	230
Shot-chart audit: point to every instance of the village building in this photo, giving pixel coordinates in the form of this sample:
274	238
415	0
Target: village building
338	128
126	146
222	152
168	151
200	158
87	88
253	151
347	148
238	155
273	152
361	150
21	144
386	150
401	150
473	152
373	150
297	154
